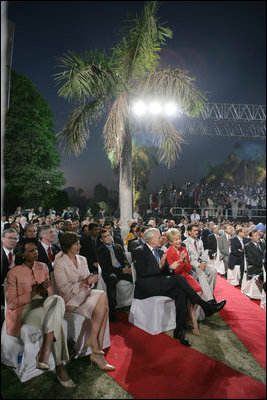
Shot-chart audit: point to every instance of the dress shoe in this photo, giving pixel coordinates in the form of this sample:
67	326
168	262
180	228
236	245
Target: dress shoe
179	335
212	308
67	384
195	332
105	367
95	351
41	365
213	301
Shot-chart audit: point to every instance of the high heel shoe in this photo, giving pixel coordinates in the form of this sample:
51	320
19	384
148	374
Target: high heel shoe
95	351
67	384
41	365
195	332
106	367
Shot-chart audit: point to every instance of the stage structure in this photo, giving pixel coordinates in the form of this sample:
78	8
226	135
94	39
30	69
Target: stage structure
220	119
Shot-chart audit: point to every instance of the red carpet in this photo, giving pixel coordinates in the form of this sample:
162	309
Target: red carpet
245	318
154	367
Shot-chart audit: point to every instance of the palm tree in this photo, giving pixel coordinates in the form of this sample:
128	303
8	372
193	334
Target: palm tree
144	161
108	84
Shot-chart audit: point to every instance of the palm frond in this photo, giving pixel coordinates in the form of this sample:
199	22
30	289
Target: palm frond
85	76
167	139
143	37
76	131
115	127
172	84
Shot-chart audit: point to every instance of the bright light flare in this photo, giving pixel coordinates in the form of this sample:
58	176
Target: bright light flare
139	108
171	109
155	108
142	108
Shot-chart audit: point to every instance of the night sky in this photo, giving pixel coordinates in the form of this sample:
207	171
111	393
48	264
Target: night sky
220	43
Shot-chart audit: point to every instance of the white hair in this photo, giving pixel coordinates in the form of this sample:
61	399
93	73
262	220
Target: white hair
149	234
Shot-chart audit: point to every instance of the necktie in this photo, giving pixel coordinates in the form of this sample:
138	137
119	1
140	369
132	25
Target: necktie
217	238
259	247
50	255
229	241
195	243
156	255
114	260
10	259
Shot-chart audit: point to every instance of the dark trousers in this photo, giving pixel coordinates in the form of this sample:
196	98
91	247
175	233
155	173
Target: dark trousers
111	281
176	287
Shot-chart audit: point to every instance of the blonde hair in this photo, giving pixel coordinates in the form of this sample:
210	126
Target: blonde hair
173	233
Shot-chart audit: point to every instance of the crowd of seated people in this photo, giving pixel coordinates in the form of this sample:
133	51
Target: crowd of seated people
97	240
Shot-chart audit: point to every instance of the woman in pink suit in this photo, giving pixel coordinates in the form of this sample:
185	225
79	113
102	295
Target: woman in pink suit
30	301
178	260
75	284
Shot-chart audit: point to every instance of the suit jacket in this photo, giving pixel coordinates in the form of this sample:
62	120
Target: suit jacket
133	244
204	237
18	289
68	280
150	279
224	247
196	257
212	245
104	259
254	258
118	240
4	271
236	256
43	257
88	250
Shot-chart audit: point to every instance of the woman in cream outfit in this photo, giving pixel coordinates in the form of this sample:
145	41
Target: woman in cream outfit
75	284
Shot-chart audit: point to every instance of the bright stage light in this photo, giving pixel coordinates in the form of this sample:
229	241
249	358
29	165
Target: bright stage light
139	108
155	108
171	109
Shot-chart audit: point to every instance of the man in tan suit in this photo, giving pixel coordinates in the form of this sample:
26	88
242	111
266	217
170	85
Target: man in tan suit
206	273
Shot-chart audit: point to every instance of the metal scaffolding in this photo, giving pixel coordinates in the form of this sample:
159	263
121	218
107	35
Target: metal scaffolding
228	120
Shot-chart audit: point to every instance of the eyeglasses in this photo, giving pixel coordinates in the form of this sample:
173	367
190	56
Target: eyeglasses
12	238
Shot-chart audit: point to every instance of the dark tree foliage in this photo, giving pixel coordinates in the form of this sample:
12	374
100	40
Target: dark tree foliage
30	158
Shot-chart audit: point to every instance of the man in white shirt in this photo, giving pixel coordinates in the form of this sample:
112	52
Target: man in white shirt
194	217
207	274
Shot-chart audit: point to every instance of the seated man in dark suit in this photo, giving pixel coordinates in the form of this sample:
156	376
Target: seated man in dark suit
236	256
47	250
156	278
89	245
254	252
115	267
212	242
9	239
109	226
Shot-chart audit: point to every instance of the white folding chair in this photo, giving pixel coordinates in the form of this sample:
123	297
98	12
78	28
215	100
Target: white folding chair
219	264
154	315
263	296
78	329
234	275
20	353
251	287
124	290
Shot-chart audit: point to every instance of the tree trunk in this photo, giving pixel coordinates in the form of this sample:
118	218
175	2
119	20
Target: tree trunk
125	189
